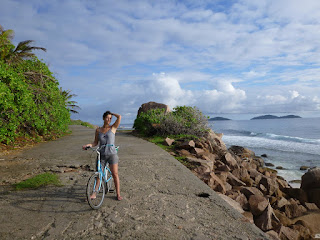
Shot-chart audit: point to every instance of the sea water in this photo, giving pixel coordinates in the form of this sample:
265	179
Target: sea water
289	143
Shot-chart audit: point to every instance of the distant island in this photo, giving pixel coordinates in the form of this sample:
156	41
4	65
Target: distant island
219	119
274	117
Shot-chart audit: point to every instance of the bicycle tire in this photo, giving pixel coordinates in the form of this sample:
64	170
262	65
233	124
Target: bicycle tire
109	183
110	186
97	202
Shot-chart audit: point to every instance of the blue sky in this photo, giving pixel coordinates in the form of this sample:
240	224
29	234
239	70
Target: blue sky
240	59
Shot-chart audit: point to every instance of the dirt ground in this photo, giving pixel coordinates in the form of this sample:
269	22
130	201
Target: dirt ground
162	198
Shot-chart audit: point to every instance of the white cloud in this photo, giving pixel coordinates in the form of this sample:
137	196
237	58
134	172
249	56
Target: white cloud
254	74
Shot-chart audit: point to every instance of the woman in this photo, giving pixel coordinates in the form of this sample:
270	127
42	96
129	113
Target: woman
105	136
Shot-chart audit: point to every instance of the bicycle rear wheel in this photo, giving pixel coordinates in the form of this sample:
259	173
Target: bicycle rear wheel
109	183
92	188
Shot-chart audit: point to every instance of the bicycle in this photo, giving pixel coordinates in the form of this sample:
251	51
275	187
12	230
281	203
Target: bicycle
100	182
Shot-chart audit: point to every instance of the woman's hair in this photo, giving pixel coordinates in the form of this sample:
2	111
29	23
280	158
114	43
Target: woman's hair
106	114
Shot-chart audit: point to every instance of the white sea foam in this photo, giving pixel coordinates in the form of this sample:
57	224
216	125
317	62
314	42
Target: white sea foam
289	155
272	144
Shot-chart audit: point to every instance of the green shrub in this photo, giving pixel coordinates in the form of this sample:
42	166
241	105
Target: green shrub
82	123
183	120
146	122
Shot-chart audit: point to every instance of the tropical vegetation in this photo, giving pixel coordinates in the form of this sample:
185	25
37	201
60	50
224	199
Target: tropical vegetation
32	106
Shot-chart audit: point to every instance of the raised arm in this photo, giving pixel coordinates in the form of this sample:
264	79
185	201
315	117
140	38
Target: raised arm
116	123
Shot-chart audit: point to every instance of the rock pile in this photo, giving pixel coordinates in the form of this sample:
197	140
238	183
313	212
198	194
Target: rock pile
264	198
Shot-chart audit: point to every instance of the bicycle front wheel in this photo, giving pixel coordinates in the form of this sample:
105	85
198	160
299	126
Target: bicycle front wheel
95	191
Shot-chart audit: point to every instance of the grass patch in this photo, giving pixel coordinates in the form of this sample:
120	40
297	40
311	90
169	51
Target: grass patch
159	141
184	137
82	123
38	181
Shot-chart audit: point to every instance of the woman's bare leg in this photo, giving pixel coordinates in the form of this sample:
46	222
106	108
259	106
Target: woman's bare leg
115	175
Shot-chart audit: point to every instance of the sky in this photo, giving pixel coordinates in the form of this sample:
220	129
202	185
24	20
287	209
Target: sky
235	58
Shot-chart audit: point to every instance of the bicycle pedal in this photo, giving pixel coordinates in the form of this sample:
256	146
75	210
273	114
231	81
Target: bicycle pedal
111	190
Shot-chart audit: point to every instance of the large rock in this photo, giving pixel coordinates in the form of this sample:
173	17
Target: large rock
229	160
267	220
296	193
257	204
234	181
310	183
232	203
187	145
285	221
241	151
293	210
311	179
216	145
199	161
197	151
152	105
242	200
168	141
311	206
207	156
184	152
287	233
202	172
248	191
304	231
273	235
270	184
314	196
216	183
258	161
281	203
282	183
248	216
241	173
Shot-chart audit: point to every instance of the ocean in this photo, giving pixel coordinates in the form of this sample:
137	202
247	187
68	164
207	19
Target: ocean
289	143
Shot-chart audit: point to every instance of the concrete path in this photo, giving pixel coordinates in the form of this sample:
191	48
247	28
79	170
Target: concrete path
161	197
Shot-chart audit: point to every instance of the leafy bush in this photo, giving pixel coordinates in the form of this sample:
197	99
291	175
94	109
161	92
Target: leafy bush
82	123
31	104
182	120
146	122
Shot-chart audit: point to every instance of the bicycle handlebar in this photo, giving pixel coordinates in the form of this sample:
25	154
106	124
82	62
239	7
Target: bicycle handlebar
86	148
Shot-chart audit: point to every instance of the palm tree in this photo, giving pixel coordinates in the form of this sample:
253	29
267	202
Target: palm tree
71	105
13	55
6	34
5	42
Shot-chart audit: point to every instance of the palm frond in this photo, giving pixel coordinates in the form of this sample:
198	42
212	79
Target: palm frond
25	47
8	34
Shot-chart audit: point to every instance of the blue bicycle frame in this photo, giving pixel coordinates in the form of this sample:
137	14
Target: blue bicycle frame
103	174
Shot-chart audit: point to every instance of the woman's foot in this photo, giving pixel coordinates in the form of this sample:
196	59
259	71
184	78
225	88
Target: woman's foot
93	195
119	198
